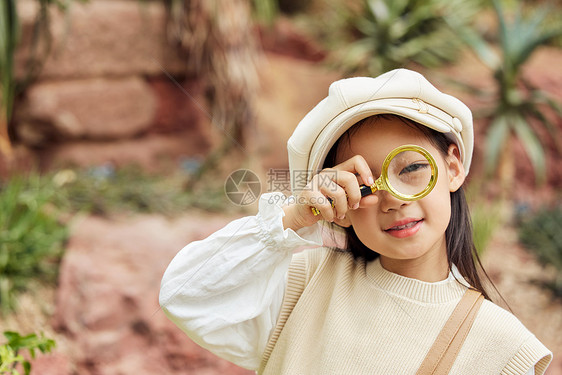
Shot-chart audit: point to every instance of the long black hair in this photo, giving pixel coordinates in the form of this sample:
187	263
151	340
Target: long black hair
461	250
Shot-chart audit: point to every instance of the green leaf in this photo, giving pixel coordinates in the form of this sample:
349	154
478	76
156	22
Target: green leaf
26	367
16	343
533	112
540	96
480	47
11	335
379	9
533	147
265	10
500	16
9	357
498	134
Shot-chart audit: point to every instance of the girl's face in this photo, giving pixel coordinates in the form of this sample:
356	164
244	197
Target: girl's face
401	231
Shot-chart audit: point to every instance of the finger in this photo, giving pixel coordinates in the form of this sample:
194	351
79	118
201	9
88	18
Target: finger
339	186
349	182
323	205
314	198
317	202
358	165
338	197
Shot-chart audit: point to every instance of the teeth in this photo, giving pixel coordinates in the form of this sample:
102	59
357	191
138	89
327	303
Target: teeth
405	226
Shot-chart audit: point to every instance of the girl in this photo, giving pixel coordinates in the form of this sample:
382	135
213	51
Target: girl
402	297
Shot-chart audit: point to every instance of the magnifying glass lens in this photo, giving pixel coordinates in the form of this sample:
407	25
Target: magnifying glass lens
409	173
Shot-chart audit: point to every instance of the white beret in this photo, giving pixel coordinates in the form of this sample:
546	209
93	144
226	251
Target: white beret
401	92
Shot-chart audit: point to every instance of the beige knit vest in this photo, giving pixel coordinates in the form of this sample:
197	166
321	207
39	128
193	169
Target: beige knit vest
342	316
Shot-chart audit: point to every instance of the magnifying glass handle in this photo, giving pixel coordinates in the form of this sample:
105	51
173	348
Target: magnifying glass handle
364	189
367	190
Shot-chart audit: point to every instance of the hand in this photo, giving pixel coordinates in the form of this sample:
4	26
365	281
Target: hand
340	184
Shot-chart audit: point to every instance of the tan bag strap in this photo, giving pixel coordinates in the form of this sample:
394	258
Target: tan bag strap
448	343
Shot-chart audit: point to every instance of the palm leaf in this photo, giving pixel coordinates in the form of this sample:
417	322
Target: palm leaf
478	45
379	9
537	41
542	97
498	134
532	146
529	42
404	31
552	128
503	32
534	107
357	54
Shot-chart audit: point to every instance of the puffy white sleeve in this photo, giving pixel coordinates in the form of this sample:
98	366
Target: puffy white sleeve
225	292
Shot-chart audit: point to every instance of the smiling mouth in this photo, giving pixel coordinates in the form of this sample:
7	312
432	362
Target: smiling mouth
411	224
403	226
404	229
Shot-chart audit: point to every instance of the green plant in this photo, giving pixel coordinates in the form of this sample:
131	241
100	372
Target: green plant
542	234
330	24
517	104
396	32
486	214
486	218
265	11
31	237
10	356
105	190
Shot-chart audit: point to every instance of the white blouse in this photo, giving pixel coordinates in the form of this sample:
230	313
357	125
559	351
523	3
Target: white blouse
225	292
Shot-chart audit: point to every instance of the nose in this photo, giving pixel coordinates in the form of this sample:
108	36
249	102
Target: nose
389	202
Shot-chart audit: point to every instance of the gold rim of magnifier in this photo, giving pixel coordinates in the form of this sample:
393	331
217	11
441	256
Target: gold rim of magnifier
382	182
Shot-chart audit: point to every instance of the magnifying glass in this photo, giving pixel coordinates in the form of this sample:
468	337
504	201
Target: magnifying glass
409	173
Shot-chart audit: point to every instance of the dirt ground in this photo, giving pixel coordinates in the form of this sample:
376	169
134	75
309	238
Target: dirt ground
514	272
511	267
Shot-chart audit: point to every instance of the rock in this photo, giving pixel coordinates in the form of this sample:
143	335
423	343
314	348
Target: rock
289	89
97	108
107	300
102	38
152	152
51	364
180	109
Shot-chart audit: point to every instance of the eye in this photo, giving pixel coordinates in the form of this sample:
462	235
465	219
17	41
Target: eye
413	168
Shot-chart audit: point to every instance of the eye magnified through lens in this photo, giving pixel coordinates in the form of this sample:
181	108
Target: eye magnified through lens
408	173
